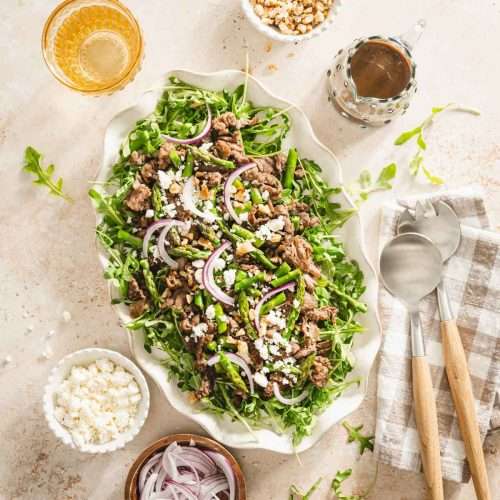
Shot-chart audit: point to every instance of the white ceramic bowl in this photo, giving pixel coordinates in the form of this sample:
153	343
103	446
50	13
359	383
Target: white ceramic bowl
366	344
85	357
275	34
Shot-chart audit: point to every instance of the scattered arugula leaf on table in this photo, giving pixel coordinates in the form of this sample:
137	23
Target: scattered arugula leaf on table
297	494
354	435
336	486
32	164
417	161
364	185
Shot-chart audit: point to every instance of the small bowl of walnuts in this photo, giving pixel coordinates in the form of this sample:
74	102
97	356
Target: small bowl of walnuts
291	20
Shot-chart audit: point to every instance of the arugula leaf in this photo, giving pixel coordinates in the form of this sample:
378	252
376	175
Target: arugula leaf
433	179
297	494
415	164
364	186
354	435
32	164
105	207
336	486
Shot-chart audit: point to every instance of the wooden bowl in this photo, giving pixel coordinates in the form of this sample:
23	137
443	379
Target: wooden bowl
201	442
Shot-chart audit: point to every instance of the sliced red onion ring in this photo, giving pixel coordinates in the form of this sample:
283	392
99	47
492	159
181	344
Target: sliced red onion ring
288	401
198	138
227	189
210	486
208	276
226	468
237	361
149	486
179	488
151	229
189	203
200	460
148	467
267	296
162	242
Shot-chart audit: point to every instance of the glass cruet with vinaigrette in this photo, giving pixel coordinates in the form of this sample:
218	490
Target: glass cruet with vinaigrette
373	79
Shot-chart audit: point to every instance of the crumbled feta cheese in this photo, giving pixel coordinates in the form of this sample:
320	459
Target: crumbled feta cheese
150	213
165	178
296	303
206	146
98	402
274	350
275	319
198	276
265	231
219	264
229	277
244	216
262	348
260	379
199	330
210	312
155	252
265	195
199	263
170	210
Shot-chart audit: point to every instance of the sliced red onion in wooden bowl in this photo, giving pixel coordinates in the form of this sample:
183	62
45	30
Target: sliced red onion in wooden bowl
185	472
208	276
288	401
234	358
196	139
227	190
266	297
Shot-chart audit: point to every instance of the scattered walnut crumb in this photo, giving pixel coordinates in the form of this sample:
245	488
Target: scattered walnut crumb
272	67
292	17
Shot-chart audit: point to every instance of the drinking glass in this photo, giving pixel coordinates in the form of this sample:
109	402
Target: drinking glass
93	46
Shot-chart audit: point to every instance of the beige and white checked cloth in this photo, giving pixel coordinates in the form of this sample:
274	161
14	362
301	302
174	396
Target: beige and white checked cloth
472	277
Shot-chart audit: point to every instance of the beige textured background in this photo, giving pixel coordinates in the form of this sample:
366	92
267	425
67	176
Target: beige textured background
47	258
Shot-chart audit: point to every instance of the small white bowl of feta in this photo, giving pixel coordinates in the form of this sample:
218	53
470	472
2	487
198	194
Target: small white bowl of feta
96	400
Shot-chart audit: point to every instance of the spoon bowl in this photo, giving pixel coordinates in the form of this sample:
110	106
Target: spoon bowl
410	267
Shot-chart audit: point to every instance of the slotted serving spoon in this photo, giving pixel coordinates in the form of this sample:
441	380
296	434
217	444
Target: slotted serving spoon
441	225
410	267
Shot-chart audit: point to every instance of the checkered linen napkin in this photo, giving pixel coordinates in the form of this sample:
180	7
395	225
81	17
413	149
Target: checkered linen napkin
472	278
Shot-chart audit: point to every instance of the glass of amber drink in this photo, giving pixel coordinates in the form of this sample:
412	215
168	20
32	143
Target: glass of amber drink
93	46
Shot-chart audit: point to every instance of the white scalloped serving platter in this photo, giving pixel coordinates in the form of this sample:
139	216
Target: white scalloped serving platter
366	345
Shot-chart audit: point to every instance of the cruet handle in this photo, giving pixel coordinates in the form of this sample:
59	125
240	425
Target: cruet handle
412	36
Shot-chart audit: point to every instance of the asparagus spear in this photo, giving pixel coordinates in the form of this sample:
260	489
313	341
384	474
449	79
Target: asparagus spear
210	158
289	173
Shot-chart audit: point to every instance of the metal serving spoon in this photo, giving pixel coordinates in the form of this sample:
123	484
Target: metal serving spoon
442	226
410	267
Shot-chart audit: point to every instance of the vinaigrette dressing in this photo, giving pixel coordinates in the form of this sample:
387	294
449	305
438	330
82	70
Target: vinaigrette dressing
95	46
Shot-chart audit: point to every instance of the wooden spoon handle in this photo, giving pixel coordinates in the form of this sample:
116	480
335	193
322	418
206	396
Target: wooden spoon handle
427	425
463	397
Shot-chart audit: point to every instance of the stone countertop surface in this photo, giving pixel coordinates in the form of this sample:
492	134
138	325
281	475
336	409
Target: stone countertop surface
48	261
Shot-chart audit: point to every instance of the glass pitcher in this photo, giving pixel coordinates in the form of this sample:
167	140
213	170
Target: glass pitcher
367	109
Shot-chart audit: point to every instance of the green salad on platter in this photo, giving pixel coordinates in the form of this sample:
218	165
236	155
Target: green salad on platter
222	244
